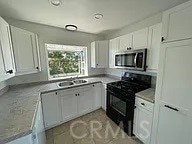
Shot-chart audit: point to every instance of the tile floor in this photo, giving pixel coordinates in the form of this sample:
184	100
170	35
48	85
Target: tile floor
93	128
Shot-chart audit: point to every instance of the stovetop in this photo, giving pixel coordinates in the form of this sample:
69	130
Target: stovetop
127	86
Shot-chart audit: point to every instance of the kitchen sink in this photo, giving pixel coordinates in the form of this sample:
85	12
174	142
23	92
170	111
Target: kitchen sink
65	83
80	81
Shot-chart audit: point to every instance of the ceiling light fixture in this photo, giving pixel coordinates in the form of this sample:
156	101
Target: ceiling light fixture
55	2
71	27
98	16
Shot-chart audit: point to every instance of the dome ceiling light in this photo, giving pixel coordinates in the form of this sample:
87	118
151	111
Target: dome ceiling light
55	2
71	27
98	16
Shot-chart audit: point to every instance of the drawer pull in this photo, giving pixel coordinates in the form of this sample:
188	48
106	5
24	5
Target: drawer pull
175	109
143	104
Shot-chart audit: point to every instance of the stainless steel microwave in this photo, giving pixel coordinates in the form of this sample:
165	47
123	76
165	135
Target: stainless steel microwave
131	59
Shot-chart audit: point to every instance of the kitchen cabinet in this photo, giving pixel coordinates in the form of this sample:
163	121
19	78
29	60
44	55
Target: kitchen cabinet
7	64
173	110
104	96
143	115
23	140
85	99
26	51
96	96
140	39
65	105
173	127
38	128
113	48
99	54
68	104
126	42
177	23
51	109
154	44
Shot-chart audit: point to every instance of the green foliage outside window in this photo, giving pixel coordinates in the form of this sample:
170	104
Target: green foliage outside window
64	62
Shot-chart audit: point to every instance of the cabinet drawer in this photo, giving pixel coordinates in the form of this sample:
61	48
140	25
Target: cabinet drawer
144	104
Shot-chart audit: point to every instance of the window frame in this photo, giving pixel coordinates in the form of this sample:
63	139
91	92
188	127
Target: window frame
64	76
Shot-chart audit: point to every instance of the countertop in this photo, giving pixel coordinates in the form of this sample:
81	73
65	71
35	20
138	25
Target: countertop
18	107
148	95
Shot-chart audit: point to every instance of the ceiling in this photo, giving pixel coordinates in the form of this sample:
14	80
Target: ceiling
117	13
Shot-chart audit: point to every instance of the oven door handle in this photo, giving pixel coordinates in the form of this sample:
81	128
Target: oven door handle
135	60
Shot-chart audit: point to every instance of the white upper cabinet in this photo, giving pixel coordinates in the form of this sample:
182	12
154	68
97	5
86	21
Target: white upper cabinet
177	22
6	51
154	44
125	42
26	51
99	54
113	48
140	39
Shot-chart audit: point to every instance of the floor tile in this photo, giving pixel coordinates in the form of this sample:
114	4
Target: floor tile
64	138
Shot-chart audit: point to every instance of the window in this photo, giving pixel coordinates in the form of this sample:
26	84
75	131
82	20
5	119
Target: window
65	61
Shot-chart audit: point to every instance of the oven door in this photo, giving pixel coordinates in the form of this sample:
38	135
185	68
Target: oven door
121	111
135	59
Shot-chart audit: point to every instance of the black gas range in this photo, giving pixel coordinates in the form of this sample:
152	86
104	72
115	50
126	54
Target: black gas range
121	99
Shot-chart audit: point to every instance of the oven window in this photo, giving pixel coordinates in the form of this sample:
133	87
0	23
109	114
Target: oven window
118	104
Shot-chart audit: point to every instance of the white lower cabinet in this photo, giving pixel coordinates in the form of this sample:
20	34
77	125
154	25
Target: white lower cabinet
143	114
23	140
173	127
104	96
51	109
68	101
65	105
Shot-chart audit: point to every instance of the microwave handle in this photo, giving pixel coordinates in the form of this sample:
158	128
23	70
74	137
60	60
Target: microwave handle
135	60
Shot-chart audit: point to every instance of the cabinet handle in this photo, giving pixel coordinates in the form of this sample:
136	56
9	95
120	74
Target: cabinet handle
56	93
9	71
37	67
75	94
143	104
78	94
93	85
162	39
129	48
135	107
175	109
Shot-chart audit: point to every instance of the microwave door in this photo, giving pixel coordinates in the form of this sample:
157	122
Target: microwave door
139	60
129	60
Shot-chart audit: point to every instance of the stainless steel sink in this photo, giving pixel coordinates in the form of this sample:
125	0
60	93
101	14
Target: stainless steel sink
80	81
65	83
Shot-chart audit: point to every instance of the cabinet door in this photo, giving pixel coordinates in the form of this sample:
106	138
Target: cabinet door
173	127
142	124
93	55
126	42
113	48
140	39
97	96
6	49
85	99
68	104
2	67
177	22
38	128
174	79
25	51
154	47
51	109
104	96
102	54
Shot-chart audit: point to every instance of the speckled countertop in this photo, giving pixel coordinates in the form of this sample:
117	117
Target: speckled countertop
18	106
148	95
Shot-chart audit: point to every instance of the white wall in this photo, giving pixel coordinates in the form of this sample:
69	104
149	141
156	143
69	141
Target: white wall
48	34
128	29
